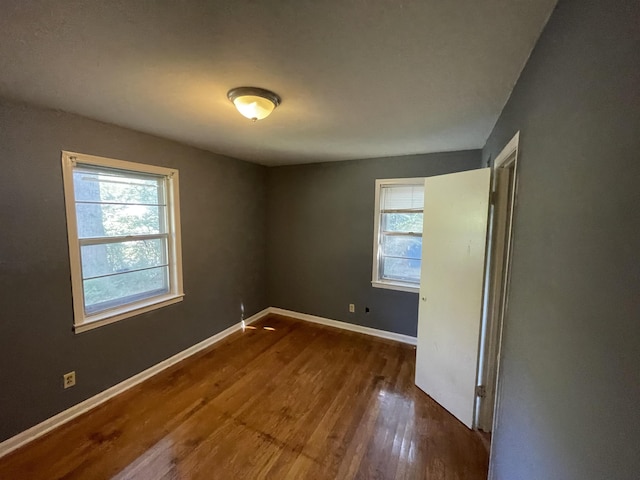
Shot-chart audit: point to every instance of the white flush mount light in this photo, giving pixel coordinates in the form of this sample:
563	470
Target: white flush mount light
253	102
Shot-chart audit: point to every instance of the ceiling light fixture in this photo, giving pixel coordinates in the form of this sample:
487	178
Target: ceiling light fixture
253	102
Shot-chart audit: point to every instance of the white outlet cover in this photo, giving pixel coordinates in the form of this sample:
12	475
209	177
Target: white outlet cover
69	379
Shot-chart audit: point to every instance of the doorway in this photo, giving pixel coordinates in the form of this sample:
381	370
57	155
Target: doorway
503	198
466	253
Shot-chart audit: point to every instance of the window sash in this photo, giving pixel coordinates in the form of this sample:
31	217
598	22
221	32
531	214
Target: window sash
397	277
410	258
105	241
386	245
125	178
120	238
115	303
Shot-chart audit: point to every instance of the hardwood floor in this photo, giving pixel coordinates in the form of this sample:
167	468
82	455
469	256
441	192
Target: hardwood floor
300	401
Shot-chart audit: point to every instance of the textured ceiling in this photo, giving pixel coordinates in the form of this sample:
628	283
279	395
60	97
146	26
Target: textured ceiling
358	78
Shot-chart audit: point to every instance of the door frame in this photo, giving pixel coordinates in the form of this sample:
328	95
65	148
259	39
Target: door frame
497	283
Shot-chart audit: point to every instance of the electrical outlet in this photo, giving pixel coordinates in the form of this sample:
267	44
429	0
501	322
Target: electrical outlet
69	379
352	307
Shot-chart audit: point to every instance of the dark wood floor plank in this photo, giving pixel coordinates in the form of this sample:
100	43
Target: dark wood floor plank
296	401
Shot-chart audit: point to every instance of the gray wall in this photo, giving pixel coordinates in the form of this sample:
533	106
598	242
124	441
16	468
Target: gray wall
569	390
320	237
223	237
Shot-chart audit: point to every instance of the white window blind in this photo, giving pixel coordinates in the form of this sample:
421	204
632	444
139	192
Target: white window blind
402	198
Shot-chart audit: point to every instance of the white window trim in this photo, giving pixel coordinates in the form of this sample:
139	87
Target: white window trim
83	322
376	281
389	285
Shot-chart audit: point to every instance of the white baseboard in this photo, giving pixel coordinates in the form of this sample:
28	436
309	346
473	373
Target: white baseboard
65	416
398	337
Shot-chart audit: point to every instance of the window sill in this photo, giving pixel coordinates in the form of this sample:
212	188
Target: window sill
395	286
111	316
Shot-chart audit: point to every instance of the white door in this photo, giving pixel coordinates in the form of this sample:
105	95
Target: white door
456	207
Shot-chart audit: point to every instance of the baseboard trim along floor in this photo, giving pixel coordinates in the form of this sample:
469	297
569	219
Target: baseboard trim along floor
65	416
398	337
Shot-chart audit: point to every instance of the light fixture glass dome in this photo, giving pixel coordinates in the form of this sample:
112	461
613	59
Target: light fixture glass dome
254	103
253	107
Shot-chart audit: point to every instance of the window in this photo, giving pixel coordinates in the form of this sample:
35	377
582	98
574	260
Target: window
123	222
397	247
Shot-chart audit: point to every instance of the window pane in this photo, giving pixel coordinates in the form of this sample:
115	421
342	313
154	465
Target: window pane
108	292
402	246
401	269
95	220
123	256
94	184
402	222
